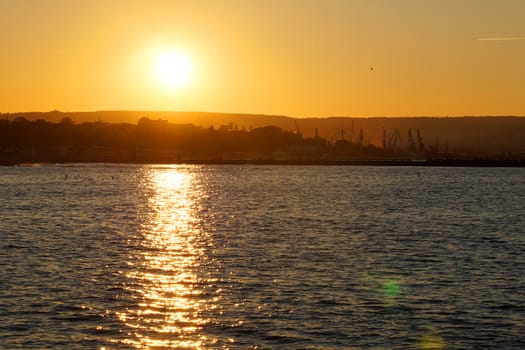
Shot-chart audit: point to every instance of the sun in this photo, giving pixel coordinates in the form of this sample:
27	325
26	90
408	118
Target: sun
173	69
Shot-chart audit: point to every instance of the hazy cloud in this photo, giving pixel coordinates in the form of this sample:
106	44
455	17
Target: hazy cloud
502	39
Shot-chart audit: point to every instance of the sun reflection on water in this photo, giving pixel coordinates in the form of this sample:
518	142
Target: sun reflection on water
167	284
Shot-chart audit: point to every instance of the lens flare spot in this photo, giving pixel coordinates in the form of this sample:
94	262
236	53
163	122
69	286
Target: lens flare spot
431	342
391	289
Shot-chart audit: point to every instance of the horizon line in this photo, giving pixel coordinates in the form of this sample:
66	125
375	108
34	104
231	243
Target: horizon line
273	115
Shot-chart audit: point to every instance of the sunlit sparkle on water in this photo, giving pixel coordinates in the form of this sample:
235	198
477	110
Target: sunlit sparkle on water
169	312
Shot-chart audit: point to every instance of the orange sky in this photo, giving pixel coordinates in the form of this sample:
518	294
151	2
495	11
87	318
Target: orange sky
290	57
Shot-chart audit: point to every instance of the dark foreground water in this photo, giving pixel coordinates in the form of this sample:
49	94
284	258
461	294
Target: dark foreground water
153	257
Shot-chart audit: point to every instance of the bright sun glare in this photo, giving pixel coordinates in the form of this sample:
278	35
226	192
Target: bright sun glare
173	69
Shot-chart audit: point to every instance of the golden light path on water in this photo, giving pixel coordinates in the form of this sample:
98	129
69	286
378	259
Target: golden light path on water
169	289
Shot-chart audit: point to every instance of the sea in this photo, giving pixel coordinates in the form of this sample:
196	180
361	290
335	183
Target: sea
109	256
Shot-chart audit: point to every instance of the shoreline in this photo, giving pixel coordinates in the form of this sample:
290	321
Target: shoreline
486	163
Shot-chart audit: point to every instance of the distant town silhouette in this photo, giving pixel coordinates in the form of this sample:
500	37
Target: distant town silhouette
68	137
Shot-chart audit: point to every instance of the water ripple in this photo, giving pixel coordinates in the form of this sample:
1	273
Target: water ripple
232	257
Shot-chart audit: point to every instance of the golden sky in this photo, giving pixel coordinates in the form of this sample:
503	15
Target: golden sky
289	57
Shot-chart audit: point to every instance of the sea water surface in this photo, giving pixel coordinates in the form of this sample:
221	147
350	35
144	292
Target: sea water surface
96	256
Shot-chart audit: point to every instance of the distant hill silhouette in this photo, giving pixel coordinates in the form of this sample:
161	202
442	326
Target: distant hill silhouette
454	134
